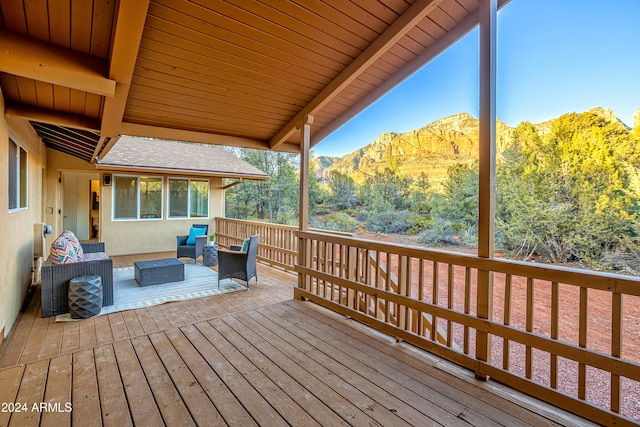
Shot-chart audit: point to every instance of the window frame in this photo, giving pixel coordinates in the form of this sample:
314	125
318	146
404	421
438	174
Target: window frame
189	198
138	179
21	165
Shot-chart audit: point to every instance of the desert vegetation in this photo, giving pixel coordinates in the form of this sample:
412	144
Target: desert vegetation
568	191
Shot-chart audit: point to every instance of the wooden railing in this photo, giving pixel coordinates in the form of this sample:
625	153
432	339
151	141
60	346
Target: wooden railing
278	243
565	336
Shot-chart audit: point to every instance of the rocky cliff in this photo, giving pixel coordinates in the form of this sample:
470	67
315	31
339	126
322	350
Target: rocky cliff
430	149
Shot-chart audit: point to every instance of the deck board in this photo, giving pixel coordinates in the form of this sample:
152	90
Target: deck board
86	401
31	393
140	400
10	379
113	401
230	409
58	392
201	409
171	406
253	357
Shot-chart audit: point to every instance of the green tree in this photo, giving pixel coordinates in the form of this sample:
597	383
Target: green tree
275	199
343	190
384	191
567	195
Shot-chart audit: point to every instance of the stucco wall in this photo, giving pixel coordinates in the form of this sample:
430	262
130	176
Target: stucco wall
57	162
16	229
147	236
124	237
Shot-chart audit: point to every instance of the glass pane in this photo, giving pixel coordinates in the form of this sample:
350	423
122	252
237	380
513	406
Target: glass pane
126	200
13	175
178	197
199	199
150	198
23	178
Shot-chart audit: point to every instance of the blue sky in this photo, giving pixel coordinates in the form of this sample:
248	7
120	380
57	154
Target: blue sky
554	57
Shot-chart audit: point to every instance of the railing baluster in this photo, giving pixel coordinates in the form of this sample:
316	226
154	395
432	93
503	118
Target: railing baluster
506	319
555	311
420	314
616	347
434	299
582	342
529	328
467	306
403	290
387	282
450	298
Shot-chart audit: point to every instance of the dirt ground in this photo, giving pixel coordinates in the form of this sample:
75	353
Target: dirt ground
599	308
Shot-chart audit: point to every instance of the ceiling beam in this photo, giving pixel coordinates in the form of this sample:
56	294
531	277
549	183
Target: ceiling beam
130	19
46	62
52	117
134	129
405	22
439	46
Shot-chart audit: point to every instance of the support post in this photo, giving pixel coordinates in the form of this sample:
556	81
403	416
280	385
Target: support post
487	172
305	145
304	246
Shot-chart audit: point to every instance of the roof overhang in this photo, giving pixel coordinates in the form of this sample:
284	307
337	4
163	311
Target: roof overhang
241	74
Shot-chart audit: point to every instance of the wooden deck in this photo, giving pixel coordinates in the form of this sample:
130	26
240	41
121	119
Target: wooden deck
254	357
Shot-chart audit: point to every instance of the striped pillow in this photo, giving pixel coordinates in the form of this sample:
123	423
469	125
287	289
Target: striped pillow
62	252
77	247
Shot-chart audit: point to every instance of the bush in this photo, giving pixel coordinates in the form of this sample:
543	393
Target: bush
339	221
420	222
389	221
439	232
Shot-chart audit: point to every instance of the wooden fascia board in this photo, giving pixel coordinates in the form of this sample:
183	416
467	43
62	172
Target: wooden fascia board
46	62
52	117
177	172
134	129
130	19
455	34
380	46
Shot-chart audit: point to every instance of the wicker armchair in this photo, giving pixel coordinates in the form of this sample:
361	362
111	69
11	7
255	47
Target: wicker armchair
183	250
55	279
237	264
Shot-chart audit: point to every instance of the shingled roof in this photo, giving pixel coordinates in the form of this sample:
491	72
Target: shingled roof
161	155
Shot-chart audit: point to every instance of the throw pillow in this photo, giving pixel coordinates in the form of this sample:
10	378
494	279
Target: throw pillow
245	245
77	247
193	232
62	252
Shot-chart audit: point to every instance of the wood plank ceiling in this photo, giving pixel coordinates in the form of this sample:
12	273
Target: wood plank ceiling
234	72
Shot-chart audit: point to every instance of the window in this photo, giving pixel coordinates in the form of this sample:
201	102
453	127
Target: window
188	198
137	197
17	176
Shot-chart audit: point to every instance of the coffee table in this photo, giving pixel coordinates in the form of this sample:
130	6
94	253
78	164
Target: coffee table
155	272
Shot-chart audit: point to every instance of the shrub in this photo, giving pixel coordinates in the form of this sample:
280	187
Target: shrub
439	232
339	221
389	221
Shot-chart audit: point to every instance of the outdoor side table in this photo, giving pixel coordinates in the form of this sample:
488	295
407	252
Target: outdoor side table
85	296
210	255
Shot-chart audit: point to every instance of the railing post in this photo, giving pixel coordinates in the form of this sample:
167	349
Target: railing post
304	245
487	172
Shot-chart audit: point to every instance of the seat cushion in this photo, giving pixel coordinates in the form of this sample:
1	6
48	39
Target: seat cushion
193	233
92	256
245	245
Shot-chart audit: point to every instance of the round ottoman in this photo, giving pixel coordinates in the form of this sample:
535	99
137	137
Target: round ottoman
85	296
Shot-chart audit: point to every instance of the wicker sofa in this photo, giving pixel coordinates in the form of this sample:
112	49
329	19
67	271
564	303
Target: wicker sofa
55	278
